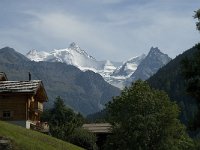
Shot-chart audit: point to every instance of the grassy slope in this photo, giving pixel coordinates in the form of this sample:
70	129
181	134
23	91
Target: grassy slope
25	139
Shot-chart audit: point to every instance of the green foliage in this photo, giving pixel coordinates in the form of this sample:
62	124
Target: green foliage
197	16
65	124
144	118
197	143
98	117
83	138
170	79
191	72
62	120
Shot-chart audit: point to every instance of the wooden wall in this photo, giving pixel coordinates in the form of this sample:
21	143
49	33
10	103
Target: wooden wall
16	104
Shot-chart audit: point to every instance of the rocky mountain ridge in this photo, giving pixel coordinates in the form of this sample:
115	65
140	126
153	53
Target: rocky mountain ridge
150	65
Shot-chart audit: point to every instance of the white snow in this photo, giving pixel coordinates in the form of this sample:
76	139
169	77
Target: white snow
37	56
74	55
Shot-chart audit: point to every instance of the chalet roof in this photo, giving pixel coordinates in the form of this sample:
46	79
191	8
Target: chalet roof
3	76
29	87
98	127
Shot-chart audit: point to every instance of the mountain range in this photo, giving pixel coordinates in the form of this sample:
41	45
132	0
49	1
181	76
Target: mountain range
84	83
85	92
119	74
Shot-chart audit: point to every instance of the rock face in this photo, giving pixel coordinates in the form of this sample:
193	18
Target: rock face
150	65
85	92
5	143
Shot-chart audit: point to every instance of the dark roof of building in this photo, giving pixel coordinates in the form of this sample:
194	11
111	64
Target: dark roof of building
98	127
34	87
3	76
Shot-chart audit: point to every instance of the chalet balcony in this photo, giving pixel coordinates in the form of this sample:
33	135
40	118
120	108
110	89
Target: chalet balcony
40	127
36	106
39	106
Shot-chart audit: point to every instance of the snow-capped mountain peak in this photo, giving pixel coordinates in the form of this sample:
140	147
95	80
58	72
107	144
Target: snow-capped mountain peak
34	55
154	50
73	55
74	47
32	52
128	67
115	73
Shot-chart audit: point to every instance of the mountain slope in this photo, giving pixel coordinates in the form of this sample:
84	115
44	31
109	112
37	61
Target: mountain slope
169	79
24	139
85	92
129	66
9	55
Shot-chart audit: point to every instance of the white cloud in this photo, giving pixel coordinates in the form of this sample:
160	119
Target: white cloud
59	26
121	29
105	1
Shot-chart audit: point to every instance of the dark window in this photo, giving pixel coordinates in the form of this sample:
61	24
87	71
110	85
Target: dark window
6	114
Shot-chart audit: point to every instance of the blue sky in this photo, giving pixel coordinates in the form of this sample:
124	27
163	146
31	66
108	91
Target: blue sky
106	29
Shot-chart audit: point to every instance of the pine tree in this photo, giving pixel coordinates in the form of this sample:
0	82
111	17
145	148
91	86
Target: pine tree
197	16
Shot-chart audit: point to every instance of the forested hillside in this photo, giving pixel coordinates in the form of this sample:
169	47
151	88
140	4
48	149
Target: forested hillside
170	79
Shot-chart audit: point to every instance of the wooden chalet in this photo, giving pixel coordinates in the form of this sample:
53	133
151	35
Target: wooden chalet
21	102
98	128
101	130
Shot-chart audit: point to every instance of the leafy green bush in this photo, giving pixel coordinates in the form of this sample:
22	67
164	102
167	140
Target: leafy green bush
83	138
66	125
197	143
144	118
